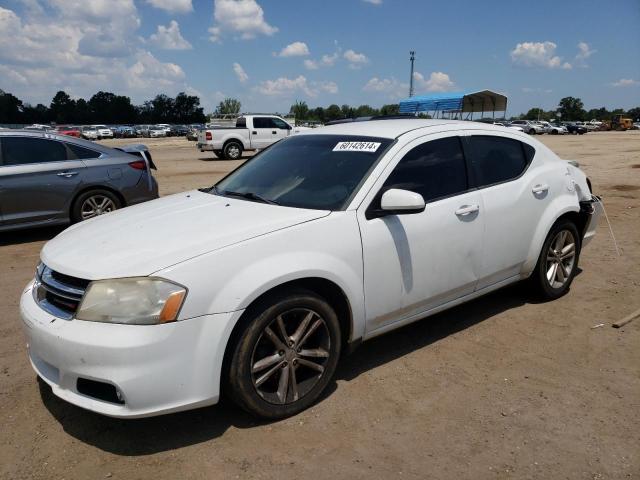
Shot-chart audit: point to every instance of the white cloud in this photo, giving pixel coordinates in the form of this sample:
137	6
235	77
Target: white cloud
373	2
329	87
240	73
538	54
295	49
536	90
437	82
170	38
356	60
81	49
243	17
172	6
626	82
390	87
584	52
325	61
285	87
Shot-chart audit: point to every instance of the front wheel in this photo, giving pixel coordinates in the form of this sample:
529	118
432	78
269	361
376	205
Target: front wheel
558	260
286	356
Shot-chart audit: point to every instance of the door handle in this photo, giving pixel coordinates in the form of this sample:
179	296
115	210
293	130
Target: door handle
254	133
67	174
274	132
467	209
540	187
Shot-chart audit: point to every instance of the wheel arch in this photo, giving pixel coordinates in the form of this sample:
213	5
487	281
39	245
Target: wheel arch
571	212
88	188
325	288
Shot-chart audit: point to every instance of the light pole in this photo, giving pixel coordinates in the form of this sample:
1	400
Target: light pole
412	58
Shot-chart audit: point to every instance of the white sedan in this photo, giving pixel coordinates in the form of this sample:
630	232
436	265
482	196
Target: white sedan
325	239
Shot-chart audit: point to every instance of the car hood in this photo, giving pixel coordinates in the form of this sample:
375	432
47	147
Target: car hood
145	238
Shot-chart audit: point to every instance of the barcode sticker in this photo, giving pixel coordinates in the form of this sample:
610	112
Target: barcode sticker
356	147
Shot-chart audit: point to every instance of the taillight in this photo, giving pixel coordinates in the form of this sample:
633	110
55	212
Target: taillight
138	165
208	136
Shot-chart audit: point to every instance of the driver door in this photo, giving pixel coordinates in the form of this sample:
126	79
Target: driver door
416	262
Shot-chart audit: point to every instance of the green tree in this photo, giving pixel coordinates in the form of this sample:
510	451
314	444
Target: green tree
332	112
571	109
535	114
62	108
10	108
347	111
106	107
634	113
300	110
229	106
390	109
187	109
365	111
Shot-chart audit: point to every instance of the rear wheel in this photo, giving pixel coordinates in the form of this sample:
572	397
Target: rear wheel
93	203
532	132
286	356
558	260
232	151
218	153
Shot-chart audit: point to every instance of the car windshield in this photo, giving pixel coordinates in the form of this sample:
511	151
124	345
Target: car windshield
307	171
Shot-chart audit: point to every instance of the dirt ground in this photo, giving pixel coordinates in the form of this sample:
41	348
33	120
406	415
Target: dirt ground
502	387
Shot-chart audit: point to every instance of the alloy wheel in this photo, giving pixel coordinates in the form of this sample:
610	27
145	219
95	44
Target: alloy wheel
290	356
233	152
560	258
96	205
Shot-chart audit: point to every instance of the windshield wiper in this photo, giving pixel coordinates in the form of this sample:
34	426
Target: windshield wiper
249	196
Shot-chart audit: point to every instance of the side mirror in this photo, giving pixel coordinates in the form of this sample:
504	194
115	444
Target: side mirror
397	202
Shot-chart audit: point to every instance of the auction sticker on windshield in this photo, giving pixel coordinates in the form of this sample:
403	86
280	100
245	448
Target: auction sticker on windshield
356	147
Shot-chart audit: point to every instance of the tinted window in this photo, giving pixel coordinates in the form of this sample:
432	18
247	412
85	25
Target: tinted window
308	171
434	169
24	150
496	159
81	152
281	124
261	122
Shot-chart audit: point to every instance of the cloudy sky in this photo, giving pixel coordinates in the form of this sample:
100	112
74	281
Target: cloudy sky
269	53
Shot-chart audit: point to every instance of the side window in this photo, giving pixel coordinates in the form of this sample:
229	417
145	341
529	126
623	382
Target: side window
433	169
281	124
78	152
261	122
497	159
25	150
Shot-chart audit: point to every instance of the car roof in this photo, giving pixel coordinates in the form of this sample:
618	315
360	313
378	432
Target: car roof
51	135
394	128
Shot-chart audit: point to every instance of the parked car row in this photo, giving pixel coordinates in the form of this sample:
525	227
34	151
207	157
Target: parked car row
99	132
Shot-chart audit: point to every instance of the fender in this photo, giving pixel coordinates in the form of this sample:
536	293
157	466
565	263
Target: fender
240	273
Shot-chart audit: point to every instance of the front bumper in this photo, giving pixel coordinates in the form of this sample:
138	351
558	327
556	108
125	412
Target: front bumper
155	369
593	208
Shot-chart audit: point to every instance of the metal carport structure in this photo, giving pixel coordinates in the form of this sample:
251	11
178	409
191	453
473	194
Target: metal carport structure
454	105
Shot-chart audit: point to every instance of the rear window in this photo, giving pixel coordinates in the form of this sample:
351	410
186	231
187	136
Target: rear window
498	159
78	152
26	150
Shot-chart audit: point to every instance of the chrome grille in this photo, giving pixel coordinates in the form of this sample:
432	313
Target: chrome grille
57	293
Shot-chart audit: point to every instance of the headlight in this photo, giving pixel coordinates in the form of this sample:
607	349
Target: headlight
135	301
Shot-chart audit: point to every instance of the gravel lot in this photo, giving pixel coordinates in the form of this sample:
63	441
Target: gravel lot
502	387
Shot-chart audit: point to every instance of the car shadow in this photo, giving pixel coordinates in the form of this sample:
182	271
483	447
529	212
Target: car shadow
168	432
30	235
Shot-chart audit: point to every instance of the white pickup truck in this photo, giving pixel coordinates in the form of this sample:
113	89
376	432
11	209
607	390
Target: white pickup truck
252	132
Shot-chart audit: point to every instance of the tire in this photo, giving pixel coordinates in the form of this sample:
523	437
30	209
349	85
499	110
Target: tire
218	153
555	282
286	381
532	132
232	151
553	132
94	203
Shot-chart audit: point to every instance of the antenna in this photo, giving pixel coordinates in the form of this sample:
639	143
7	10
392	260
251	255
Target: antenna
412	58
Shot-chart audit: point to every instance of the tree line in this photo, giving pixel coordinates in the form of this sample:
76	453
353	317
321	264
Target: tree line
572	109
103	107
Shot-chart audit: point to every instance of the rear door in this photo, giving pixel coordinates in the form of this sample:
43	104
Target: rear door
38	179
261	132
516	188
